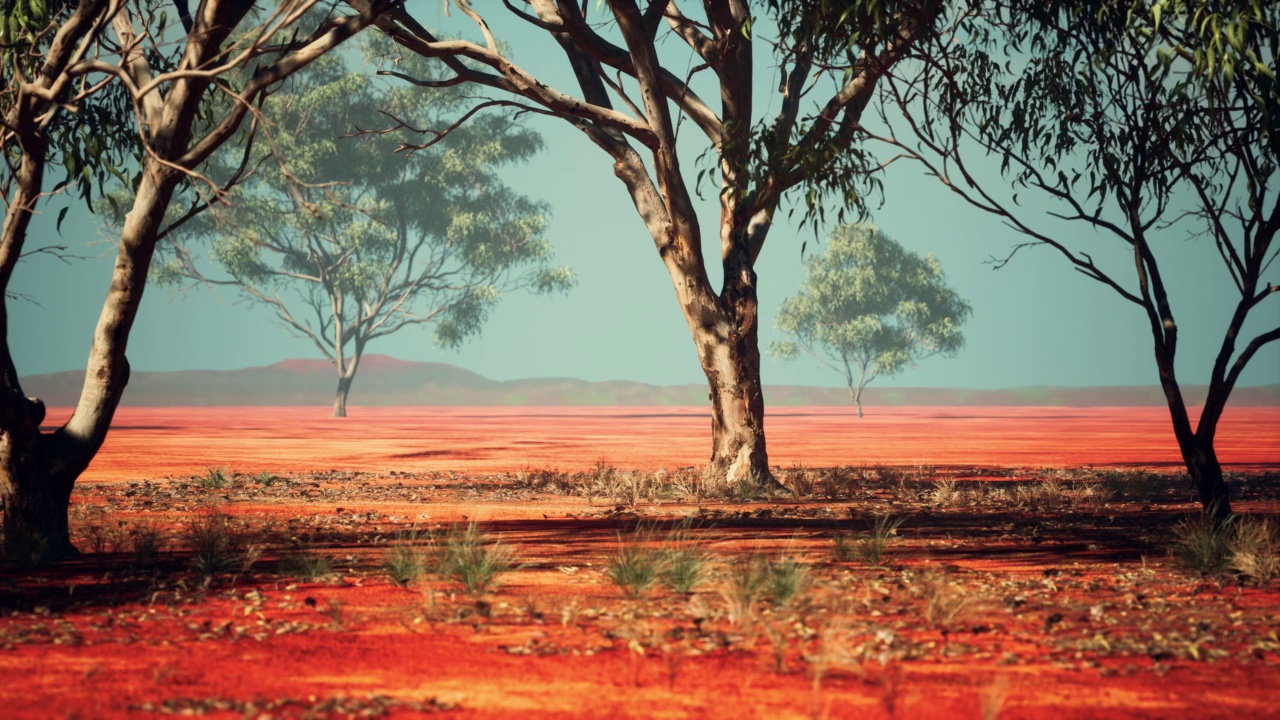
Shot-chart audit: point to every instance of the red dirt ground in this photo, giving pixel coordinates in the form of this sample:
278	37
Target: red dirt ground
1078	612
153	442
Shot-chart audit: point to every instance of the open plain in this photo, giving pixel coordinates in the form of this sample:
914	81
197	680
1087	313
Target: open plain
926	563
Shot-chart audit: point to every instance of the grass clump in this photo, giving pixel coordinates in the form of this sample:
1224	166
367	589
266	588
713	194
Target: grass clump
470	558
744	584
408	559
871	547
786	578
801	481
305	563
215	478
1255	549
217	546
1201	542
685	561
146	542
946	603
637	566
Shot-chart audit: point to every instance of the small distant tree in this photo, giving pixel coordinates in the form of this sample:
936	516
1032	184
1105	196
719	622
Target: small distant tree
348	243
870	305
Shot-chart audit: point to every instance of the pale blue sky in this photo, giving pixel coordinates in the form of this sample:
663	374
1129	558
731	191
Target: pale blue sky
1036	322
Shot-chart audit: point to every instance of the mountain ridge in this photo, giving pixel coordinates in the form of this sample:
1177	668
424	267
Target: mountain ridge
389	381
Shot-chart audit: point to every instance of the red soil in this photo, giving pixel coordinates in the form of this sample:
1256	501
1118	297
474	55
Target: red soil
152	442
1075	620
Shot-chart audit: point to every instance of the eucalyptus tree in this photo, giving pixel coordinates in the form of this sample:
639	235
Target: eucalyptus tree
868	304
1142	122
58	59
347	243
641	70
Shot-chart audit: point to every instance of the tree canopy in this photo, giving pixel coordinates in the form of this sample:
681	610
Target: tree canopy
869	305
347	241
1145	122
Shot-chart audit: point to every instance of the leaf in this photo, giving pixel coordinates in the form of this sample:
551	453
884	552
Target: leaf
61	214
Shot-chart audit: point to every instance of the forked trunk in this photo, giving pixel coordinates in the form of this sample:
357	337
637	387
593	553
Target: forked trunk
1197	448
1206	474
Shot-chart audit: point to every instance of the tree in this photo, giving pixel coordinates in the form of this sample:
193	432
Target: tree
1141	121
869	303
367	246
630	103
59	56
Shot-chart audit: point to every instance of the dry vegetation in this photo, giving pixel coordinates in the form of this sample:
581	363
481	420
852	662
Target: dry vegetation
856	582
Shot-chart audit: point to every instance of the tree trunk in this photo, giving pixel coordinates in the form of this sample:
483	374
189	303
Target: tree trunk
35	517
725	330
732	367
35	490
346	376
1197	449
857	400
340	398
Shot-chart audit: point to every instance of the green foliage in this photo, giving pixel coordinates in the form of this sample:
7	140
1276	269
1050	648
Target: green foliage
637	564
470	558
350	236
306	563
217	546
744	584
869	548
870	304
786	578
215	478
408	559
685	566
1202	542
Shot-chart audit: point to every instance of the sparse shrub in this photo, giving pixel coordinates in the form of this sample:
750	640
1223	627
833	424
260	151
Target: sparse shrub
1134	485
546	480
686	484
1051	491
944	491
946	603
468	557
265	478
101	538
742	587
305	563
146	542
888	473
800	481
785	579
636	565
871	547
844	547
685	560
1201	542
1255	549
216	545
215	478
408	560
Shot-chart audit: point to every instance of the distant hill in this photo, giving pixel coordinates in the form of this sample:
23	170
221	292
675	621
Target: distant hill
385	380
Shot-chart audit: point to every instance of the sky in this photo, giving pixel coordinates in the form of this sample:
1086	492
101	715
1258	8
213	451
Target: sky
1035	322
